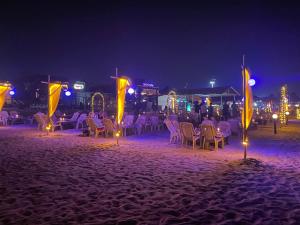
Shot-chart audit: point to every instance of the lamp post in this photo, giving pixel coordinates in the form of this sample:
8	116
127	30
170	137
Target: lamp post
275	117
287	113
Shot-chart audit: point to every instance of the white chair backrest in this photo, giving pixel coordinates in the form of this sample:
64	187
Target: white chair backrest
170	126
224	125
128	120
207	122
82	117
75	116
154	120
234	124
141	120
4	114
98	122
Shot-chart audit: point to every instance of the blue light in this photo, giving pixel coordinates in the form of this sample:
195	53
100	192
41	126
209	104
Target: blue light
251	82
11	92
68	93
130	91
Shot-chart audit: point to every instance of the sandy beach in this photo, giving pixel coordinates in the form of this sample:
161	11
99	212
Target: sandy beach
66	179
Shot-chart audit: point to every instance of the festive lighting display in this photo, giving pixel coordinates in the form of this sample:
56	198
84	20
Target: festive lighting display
171	101
93	101
283	104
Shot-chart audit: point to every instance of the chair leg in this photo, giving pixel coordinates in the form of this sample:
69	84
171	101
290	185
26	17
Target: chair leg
193	144
216	145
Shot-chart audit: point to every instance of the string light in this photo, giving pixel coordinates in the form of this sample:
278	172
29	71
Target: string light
283	105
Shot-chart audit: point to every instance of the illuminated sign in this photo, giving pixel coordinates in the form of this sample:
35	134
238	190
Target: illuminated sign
79	85
148	85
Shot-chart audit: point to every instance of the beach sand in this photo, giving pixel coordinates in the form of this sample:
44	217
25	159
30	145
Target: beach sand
66	179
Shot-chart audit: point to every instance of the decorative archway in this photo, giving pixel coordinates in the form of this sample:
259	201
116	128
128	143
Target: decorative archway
172	102
93	101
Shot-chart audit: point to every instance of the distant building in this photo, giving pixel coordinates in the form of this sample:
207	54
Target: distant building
186	97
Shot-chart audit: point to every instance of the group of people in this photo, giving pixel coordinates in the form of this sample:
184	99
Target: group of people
205	110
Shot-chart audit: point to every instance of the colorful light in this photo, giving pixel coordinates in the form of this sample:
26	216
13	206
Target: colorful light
130	91
275	116
283	104
68	93
11	92
251	82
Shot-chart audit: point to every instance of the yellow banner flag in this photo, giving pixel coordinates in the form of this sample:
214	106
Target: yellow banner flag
248	98
54	95
3	91
122	83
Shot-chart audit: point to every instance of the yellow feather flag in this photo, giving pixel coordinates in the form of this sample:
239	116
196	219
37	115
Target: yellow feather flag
3	91
54	95
122	83
248	98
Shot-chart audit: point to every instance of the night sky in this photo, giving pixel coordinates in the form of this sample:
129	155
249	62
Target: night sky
167	43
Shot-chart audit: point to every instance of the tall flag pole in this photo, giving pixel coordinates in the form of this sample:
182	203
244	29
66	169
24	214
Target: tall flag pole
122	83
244	111
248	104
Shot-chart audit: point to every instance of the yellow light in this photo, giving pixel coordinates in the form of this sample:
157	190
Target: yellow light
275	116
117	134
245	143
284	106
287	113
48	127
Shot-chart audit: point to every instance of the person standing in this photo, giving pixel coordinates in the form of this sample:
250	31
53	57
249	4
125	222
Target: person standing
225	111
203	110
235	110
210	111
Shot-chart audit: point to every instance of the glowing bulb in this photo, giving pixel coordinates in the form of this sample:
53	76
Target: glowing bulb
130	91
68	93
275	116
12	92
287	113
245	143
251	82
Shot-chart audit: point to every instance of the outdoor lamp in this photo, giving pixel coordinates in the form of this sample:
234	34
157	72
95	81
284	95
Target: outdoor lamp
251	82
130	91
67	93
11	92
287	118
275	117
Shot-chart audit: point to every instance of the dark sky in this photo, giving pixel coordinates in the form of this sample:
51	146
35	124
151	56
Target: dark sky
169	43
